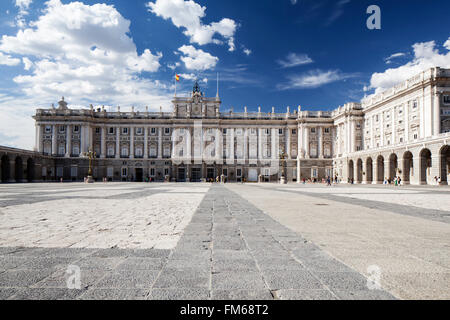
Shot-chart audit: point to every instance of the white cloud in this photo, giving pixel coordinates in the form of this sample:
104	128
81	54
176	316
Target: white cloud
197	59
7	60
82	52
389	59
314	79
247	51
426	55
294	60
188	15
27	63
23	6
174	66
188	76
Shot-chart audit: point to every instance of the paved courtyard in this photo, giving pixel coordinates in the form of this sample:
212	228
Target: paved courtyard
234	241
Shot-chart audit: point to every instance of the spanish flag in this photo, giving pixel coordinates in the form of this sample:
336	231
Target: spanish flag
177	77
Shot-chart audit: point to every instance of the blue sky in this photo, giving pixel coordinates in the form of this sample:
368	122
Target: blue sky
315	53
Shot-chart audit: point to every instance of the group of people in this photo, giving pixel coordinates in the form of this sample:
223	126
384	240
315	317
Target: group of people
397	181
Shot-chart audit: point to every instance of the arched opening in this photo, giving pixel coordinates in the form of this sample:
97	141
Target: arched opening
351	172
380	169
393	166
359	171
445	164
5	169
369	170
425	166
408	167
30	170
18	170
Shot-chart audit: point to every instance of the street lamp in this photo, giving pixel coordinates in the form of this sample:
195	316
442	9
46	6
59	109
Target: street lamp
91	155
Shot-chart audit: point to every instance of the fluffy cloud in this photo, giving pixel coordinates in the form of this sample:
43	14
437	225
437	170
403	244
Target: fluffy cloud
23	6
82	52
197	59
294	60
7	60
188	15
426	55
394	56
314	79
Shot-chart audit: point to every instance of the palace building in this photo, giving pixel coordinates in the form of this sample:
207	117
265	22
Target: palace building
402	132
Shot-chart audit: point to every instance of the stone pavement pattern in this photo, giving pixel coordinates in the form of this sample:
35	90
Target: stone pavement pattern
408	240
229	250
197	241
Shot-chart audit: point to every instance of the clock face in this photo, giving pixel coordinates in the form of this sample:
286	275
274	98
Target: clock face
196	109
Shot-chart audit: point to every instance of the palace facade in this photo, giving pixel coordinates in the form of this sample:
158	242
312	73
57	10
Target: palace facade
404	132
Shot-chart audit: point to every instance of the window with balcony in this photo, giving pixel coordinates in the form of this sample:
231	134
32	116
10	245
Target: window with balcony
166	131
111	130
62	129
76	129
124	130
124	153
139	131
153	131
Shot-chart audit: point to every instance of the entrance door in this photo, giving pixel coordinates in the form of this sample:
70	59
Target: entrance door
253	175
181	174
211	174
139	175
196	174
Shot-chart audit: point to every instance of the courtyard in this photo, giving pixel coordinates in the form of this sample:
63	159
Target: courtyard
233	241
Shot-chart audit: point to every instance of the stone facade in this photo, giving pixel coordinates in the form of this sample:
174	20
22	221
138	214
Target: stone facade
404	131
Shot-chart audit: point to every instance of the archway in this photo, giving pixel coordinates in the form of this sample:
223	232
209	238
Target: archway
369	170
425	165
359	171
445	164
351	171
380	169
5	169
18	170
393	166
30	170
408	167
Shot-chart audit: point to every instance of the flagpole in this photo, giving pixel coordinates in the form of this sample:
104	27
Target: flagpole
175	78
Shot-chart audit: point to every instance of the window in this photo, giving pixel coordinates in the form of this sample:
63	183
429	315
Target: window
110	151
294	131
224	131
110	172
253	131
401	140
61	150
152	172
124	152
139	131
414	105
59	172
76	129
62	129
48	129
167	130
267	132
181	153
415	136
182	130
327	130
124	172
138	152
313	130
124	130
75	150
97	130
377	118
153	130
73	172
238	172
225	172
166	171
166	151
111	130
280	131
153	151
358	126
314	172
446	99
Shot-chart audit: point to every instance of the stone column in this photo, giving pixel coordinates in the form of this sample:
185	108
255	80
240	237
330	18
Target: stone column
300	142
218	144
231	146
145	143
260	153
54	140
298	170
82	139
103	143
394	128
372	132
189	146
437	114
273	139
406	121
68	141
320	143
381	129
288	143
41	139
131	142
160	144
306	144
117	142
353	136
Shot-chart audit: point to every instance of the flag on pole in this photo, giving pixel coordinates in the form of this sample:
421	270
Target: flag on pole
177	78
